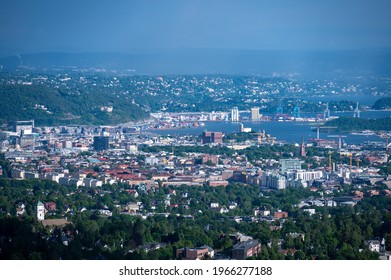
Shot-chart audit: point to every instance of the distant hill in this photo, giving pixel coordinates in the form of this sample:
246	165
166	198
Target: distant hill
382	104
54	107
213	61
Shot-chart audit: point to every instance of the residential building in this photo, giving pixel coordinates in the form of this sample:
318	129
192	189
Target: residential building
195	253
373	245
244	250
235	114
281	215
273	181
255	116
305	175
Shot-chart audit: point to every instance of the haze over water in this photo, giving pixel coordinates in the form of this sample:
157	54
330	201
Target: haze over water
290	132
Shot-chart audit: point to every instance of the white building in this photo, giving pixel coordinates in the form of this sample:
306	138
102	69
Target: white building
290	164
305	175
374	245
273	181
255	116
235	114
40	211
151	161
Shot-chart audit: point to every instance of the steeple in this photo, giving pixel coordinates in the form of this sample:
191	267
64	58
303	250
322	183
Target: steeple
40	211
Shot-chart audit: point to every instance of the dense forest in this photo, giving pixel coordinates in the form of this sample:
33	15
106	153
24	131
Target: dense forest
349	124
51	106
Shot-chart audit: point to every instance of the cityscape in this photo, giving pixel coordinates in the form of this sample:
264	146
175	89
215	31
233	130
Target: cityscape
195	140
69	178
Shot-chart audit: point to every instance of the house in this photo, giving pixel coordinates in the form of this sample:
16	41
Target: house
65	240
195	253
281	215
310	211
239	237
244	250
132	207
151	246
50	206
373	245
20	209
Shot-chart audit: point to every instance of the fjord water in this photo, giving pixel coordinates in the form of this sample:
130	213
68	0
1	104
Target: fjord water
289	132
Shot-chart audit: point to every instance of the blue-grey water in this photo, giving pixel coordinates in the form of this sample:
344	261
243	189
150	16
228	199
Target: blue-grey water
290	132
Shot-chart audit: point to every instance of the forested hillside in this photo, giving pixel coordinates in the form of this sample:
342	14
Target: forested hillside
51	106
356	124
382	104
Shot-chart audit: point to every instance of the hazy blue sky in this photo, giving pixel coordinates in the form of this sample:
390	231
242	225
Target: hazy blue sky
119	25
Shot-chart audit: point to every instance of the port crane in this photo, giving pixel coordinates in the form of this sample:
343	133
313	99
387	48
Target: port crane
339	139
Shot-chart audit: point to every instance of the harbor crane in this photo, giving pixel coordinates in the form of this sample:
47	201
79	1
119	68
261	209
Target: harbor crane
339	139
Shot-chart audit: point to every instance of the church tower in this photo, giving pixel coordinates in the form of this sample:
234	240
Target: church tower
40	211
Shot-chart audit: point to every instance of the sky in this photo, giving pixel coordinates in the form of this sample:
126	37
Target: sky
139	25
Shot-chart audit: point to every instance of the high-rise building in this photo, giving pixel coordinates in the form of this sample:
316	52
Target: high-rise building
24	127
235	114
101	143
255	116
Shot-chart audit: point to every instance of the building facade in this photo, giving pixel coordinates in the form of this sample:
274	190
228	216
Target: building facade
255	116
101	143
40	211
244	250
235	114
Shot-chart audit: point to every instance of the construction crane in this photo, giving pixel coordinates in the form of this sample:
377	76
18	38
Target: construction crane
350	155
385	135
330	162
339	139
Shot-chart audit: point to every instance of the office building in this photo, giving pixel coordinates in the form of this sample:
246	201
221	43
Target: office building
24	127
255	116
212	137
101	143
290	164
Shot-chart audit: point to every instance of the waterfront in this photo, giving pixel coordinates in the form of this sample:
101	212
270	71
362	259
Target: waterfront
289	132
